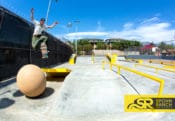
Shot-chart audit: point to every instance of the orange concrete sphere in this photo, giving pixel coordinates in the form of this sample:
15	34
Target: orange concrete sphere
31	80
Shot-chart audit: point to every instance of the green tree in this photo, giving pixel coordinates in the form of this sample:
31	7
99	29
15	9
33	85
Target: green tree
101	45
164	46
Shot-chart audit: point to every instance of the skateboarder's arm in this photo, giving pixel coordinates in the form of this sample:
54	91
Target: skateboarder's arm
32	17
53	25
32	14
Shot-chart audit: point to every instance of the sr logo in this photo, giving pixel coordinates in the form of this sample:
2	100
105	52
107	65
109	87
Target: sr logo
141	103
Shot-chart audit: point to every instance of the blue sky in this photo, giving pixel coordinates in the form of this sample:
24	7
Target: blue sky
144	20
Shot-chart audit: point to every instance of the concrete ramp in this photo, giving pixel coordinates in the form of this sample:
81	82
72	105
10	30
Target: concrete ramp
91	91
88	93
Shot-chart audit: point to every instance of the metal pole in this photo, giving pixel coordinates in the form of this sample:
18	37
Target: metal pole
48	9
76	30
69	25
76	40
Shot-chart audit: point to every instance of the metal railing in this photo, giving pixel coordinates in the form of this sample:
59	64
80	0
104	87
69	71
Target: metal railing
170	63
161	81
169	67
162	62
156	68
111	57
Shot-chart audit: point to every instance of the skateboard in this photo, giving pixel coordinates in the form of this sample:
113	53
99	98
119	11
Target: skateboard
44	51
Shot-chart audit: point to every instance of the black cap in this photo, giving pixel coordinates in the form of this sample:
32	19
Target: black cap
42	19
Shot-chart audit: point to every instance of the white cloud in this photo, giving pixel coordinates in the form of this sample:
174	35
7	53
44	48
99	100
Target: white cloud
150	20
88	34
100	27
154	31
80	35
128	26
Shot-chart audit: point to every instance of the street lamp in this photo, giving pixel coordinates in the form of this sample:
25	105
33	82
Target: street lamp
94	44
69	25
76	30
48	9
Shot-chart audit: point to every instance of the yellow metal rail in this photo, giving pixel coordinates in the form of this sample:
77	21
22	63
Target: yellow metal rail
135	60
163	62
157	68
171	64
112	57
72	59
55	72
161	81
169	67
92	58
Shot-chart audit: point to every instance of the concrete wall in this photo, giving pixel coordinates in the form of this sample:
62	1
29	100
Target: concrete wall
150	57
103	52
132	53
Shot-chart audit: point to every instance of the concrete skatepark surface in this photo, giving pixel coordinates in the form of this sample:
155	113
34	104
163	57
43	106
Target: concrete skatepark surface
87	93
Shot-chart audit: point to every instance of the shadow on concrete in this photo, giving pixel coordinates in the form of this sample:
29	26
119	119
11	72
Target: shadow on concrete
56	79
6	102
17	93
127	82
130	83
48	92
8	91
6	83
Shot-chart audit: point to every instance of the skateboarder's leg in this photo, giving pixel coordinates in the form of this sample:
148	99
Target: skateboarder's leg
35	41
43	39
43	47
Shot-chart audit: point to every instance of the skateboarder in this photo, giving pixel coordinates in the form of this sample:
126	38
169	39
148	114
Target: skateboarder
37	35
